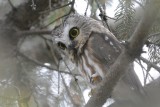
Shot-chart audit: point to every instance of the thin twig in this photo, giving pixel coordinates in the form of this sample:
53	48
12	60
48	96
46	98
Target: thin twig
87	8
110	17
102	15
11	4
144	71
71	9
42	65
59	76
34	32
99	7
55	20
68	92
147	72
46	39
76	80
151	76
53	9
150	63
72	5
154	34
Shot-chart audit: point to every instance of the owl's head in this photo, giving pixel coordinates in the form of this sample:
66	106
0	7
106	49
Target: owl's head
72	34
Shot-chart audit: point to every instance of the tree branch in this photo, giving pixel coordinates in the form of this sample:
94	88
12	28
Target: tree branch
34	32
87	8
154	34
53	9
151	64
127	56
71	10
102	15
11	4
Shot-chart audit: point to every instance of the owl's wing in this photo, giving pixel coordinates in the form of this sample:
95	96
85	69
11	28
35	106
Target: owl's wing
107	48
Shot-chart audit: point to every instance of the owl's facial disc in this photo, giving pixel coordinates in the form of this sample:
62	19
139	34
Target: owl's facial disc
69	42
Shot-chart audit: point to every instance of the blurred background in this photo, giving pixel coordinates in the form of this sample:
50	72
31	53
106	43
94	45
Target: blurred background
32	71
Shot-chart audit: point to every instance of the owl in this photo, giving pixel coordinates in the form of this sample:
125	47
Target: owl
88	44
93	49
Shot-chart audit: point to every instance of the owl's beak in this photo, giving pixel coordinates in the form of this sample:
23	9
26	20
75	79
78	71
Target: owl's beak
72	46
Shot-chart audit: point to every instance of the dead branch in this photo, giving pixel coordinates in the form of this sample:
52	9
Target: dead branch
127	56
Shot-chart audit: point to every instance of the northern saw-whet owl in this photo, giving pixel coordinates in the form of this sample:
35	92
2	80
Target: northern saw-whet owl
88	44
93	49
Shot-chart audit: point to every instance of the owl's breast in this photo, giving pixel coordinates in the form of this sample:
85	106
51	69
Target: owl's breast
98	55
90	67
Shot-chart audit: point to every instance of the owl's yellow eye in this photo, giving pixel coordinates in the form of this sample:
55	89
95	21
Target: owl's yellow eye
73	33
61	45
